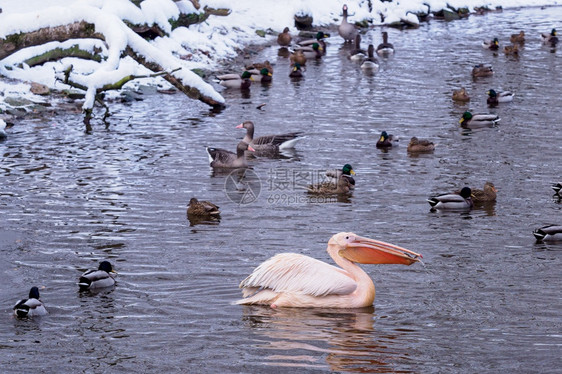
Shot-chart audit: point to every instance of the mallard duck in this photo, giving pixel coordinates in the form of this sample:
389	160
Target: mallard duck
485	195
198	208
499	97
265	75
482	70
551	38
472	121
284	39
452	201
347	170
346	30
32	307
511	49
3	134
518	38
358	54
296	71
312	52
548	233
370	64
343	186
223	159
320	36
386	140
420	145
493	45
100	278
461	95
385	48
557	187
268	143
236	81
298	57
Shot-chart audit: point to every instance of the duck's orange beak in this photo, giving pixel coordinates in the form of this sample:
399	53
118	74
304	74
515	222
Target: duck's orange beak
369	251
251	149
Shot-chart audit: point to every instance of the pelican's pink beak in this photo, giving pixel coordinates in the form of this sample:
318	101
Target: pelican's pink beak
370	251
240	126
251	149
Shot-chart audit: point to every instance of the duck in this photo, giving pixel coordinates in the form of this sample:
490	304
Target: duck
284	39
518	38
452	201
312	52
493	45
420	145
482	70
343	185
386	140
257	66
3	134
499	97
31	307
511	49
485	195
265	75
298	57
461	95
358	54
557	187
320	36
551	38
548	233
347	170
100	278
268	143
243	81
370	64
198	208
224	159
385	48
296	71
346	30
469	120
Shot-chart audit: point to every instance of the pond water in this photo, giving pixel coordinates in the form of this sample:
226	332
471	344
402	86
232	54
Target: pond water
487	298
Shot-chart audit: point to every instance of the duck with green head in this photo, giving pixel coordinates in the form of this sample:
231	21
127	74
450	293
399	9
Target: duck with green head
335	174
386	140
320	36
31	307
499	97
452	201
243	81
493	45
548	233
551	38
472	121
312	52
265	76
296	71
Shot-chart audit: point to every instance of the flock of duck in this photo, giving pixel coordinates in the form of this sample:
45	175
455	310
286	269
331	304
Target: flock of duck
295	280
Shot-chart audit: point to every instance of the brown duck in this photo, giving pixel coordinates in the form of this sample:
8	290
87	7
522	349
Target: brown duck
420	145
342	186
198	208
461	95
284	39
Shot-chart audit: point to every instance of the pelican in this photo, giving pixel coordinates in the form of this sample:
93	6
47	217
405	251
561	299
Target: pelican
295	280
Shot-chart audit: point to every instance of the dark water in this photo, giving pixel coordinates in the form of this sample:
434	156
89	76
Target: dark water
487	300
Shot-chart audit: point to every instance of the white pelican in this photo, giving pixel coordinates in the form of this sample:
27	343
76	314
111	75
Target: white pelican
295	280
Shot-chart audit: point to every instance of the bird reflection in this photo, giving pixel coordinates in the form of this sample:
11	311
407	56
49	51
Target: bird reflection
346	339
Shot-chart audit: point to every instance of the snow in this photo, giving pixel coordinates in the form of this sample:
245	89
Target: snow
205	45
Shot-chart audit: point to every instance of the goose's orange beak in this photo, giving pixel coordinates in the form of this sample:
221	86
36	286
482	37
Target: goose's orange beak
370	251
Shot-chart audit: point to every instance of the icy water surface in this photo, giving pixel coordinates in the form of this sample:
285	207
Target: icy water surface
486	300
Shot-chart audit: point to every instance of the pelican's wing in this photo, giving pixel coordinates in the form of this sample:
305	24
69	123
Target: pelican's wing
296	273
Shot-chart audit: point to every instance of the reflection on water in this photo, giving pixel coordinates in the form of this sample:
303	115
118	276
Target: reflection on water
341	341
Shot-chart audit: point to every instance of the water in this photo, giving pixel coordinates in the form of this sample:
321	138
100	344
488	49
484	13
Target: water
486	300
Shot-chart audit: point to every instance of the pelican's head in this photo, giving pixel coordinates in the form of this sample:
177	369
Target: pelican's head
369	251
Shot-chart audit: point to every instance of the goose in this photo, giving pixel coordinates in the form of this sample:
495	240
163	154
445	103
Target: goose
420	145
284	39
370	64
202	208
346	30
31	307
223	159
548	233
386	140
452	201
385	48
243	81
472	121
358	54
100	278
268	143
